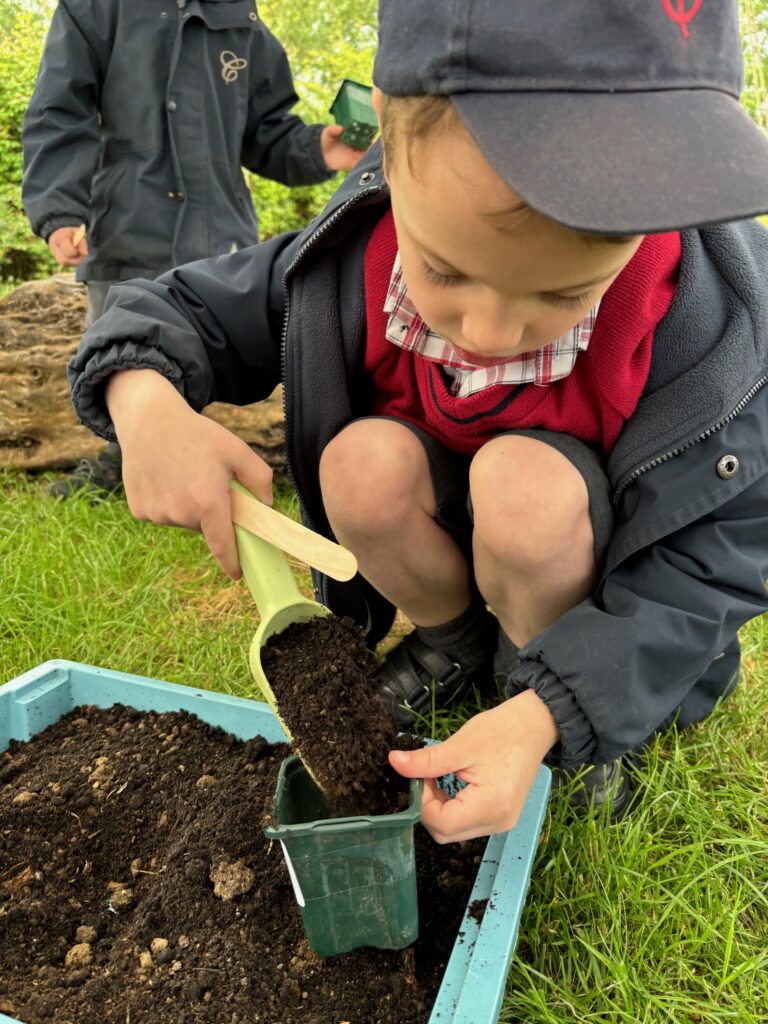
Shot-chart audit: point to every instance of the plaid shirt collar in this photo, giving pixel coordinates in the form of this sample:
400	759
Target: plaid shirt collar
406	329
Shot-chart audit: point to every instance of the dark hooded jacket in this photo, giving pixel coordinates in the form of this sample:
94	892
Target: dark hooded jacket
688	561
143	114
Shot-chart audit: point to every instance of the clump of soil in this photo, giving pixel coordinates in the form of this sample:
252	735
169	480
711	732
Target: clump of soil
321	674
136	884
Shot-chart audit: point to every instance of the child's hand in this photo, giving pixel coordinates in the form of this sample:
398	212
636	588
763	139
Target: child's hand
61	243
177	464
338	156
497	753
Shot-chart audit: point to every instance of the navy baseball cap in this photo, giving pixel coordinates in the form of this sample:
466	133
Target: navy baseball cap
612	116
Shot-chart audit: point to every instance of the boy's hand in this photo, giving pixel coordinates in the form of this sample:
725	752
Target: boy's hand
177	464
497	753
338	156
64	251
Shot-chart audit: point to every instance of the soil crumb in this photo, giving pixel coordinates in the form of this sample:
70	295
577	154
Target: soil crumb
136	884
321	674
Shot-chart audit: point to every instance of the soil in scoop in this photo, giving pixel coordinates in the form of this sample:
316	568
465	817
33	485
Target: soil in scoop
136	885
321	674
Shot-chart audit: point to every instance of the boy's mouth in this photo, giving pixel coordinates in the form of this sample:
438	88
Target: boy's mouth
480	360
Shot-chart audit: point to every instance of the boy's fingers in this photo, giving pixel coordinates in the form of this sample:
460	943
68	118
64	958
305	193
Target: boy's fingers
472	812
476	810
432	794
219	535
254	474
429	762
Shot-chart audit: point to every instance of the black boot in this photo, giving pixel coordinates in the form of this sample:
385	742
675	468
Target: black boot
599	785
104	473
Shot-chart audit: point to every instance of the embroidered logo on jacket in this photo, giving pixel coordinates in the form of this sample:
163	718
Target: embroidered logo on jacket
231	65
676	10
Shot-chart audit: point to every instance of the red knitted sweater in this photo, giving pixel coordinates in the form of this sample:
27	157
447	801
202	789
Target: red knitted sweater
591	403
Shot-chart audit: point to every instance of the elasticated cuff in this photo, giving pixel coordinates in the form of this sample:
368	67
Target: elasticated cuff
577	738
88	386
51	224
314	157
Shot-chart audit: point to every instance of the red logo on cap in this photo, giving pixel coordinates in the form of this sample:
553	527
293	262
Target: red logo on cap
679	15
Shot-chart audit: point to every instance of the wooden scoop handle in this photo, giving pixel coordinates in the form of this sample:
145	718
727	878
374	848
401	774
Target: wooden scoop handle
277	529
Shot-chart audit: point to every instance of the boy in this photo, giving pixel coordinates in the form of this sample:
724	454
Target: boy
517	384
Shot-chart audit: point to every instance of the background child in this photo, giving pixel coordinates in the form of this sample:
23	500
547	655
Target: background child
139	126
509	378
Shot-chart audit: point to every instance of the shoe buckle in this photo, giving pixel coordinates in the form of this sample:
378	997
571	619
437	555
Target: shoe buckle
444	684
451	678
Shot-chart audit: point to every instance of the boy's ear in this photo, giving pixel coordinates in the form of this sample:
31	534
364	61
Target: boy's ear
376	96
376	100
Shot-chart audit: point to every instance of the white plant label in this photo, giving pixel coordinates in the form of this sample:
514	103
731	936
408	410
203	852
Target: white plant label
294	880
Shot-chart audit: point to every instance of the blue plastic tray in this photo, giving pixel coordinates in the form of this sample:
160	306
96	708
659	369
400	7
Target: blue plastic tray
473	985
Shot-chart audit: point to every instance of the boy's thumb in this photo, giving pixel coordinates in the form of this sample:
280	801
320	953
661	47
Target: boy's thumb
427	763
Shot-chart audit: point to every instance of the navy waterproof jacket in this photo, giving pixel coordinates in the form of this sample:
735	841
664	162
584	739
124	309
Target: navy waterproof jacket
143	114
688	561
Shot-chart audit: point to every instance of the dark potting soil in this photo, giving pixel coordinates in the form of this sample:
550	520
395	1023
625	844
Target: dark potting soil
321	674
137	887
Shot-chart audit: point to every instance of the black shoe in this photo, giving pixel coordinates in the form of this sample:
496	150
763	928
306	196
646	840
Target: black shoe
599	785
413	674
104	473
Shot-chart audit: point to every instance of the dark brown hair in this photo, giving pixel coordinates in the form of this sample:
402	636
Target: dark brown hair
417	118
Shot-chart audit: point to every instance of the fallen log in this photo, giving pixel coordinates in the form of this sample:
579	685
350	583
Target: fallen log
40	327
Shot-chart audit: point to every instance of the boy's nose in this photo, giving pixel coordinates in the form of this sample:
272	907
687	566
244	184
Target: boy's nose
491	334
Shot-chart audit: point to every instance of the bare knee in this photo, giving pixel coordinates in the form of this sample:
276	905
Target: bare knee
530	503
372	474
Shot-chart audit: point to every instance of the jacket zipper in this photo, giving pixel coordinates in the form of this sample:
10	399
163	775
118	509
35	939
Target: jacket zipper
659	459
306	518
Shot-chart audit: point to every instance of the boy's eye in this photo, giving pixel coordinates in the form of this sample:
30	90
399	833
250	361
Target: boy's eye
435	277
567	301
449	280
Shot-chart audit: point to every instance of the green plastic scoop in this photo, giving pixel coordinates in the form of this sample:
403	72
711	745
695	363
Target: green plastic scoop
271	582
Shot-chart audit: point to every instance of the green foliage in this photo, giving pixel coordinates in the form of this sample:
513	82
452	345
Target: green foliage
326	42
11	9
287	209
22	33
753	15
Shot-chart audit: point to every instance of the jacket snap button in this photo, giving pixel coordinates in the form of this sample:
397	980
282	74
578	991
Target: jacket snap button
172	105
727	467
253	16
366	178
171	195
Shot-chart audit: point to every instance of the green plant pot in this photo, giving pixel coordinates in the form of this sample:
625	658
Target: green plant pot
353	108
354	878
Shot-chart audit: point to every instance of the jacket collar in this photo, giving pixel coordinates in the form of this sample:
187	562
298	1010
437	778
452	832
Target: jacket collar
709	351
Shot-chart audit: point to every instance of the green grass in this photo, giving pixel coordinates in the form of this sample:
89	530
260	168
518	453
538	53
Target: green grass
88	583
663	918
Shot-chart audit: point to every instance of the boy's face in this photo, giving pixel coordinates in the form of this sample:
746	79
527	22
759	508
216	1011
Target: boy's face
493	282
